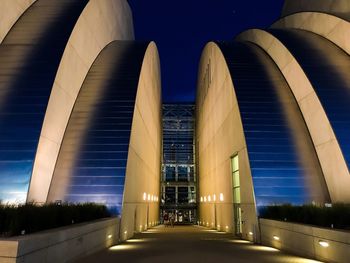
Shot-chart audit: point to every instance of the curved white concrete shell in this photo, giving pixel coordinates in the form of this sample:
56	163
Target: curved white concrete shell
340	8
10	11
30	55
111	148
247	114
329	153
145	151
80	109
272	117
101	22
331	27
219	135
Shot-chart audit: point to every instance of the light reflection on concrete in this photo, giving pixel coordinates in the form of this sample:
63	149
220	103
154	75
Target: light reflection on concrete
137	240
123	247
238	241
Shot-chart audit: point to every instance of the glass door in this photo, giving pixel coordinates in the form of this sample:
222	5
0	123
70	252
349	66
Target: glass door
236	190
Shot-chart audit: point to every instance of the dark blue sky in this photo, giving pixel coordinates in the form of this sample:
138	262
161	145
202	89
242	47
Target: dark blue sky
181	28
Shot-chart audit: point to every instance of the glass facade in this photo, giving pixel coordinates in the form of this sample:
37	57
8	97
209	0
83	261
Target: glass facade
236	191
179	184
29	57
92	161
279	175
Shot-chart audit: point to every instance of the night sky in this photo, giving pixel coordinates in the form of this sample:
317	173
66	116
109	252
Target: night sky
181	28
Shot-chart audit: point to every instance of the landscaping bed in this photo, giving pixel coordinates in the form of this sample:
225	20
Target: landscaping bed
332	216
29	218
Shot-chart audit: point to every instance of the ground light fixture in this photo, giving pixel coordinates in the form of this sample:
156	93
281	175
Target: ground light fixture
276	238
323	243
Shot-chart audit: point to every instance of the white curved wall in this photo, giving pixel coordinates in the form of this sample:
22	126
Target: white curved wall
101	22
332	161
145	151
334	29
10	11
339	8
219	134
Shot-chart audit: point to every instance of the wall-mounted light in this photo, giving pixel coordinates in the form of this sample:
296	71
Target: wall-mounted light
214	197
276	238
250	233
109	236
323	243
152	198
209	198
144	196
125	232
205	199
201	199
148	197
221	197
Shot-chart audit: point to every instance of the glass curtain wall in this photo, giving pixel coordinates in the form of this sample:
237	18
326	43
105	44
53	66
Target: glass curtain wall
178	184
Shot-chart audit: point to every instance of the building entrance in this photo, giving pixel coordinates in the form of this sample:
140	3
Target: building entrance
179	182
181	217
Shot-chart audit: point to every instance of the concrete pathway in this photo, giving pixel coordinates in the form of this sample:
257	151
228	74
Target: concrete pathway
189	244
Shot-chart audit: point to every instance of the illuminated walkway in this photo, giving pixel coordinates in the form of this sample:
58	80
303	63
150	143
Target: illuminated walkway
189	244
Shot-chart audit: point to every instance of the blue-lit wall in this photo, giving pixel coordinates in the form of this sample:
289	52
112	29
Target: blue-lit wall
279	175
92	161
29	58
327	68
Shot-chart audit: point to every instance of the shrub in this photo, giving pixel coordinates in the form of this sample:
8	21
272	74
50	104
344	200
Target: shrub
33	218
336	216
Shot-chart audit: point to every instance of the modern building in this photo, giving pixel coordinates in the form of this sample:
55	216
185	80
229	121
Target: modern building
80	107
178	181
81	117
273	117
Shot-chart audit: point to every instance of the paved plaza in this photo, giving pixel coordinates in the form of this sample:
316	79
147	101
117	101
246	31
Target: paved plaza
189	244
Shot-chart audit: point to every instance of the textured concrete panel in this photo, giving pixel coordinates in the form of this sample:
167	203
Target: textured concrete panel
10	11
64	244
304	240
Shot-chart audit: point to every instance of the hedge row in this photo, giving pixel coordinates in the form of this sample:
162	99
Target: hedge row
336	216
30	218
